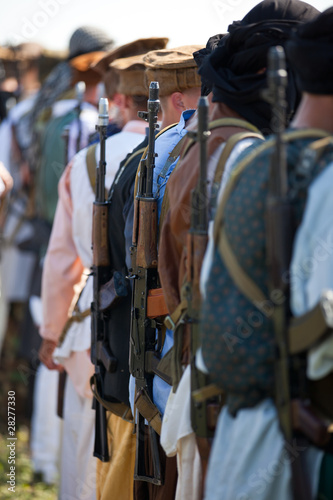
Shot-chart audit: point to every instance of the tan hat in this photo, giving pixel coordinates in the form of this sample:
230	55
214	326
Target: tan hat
174	69
135	48
130	72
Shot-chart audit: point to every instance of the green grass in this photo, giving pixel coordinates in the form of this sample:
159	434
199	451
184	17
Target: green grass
26	487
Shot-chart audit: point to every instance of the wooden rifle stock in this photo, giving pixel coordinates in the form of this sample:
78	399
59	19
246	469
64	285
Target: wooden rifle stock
100	353
145	278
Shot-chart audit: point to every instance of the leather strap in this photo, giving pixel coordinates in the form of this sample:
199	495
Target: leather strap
91	165
119	409
148	410
91	168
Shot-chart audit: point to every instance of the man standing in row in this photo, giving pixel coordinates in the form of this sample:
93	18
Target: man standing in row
69	254
240	346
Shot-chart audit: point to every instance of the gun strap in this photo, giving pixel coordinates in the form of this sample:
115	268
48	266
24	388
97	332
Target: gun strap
121	170
229	146
172	319
172	157
118	408
76	317
288	137
91	167
222	122
177	320
163	367
148	410
144	154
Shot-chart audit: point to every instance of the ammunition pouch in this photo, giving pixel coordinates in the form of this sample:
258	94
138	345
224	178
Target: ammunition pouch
156	306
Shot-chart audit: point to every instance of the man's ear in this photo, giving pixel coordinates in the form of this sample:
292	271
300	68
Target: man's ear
177	100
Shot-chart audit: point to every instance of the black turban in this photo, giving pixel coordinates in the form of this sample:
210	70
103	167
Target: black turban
310	52
236	68
279	9
199	57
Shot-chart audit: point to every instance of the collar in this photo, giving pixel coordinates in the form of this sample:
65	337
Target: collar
135	126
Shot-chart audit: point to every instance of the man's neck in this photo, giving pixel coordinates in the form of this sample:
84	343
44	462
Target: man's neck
314	111
169	117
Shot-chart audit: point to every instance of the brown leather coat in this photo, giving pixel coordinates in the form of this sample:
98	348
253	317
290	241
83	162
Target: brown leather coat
172	246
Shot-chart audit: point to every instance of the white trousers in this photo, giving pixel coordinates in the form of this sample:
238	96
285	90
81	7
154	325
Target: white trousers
249	460
178	437
78	466
45	425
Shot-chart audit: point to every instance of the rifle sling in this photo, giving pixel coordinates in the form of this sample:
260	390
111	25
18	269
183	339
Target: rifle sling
160	367
76	317
144	154
229	146
120	409
148	410
222	122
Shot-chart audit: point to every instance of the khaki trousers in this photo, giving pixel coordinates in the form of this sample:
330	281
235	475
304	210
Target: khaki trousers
115	478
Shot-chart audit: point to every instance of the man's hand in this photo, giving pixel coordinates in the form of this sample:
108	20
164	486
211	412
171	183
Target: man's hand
45	355
6	181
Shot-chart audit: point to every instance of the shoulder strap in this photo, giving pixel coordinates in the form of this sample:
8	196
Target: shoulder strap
245	284
121	170
144	154
229	146
232	122
91	165
172	157
91	168
222	122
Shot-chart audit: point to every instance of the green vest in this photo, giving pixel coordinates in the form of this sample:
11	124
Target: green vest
52	163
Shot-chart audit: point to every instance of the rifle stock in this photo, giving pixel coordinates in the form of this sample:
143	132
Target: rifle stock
101	356
203	412
145	278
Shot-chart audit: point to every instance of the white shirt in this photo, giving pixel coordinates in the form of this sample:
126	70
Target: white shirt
312	264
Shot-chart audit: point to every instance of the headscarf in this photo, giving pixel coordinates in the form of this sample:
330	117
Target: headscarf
310	52
199	57
237	66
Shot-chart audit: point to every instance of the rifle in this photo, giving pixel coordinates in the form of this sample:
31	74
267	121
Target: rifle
145	278
279	247
203	413
101	356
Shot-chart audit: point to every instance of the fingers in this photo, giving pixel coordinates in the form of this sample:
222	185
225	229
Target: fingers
45	355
